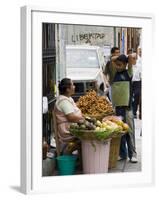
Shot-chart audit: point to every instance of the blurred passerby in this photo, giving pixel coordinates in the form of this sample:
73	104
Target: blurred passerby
136	84
130	51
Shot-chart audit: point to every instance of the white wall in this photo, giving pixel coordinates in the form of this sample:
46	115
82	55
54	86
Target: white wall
10	93
74	32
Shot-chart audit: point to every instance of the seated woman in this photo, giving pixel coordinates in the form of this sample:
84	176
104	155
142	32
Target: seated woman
67	112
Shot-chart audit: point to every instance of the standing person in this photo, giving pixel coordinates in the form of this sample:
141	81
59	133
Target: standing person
136	85
66	113
130	51
122	100
109	68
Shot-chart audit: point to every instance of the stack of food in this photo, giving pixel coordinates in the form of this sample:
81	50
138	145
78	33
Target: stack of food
122	127
95	106
98	130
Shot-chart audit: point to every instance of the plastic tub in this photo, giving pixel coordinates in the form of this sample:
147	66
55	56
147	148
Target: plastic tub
66	164
95	156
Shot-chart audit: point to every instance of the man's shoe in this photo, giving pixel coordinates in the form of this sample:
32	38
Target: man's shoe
133	160
120	158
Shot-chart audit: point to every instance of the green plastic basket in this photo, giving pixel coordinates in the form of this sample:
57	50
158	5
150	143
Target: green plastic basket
66	164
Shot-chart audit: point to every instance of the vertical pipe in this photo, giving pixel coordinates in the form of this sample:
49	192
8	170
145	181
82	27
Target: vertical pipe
114	30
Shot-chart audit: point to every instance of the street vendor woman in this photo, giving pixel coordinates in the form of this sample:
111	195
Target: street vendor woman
67	112
122	101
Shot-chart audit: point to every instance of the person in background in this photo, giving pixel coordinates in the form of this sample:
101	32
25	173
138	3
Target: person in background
130	51
139	55
139	62
109	68
115	52
136	84
122	101
66	113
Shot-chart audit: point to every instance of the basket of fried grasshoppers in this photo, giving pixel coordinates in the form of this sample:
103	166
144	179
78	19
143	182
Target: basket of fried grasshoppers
94	106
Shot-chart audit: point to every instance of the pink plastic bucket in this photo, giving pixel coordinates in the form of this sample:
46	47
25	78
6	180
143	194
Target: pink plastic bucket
95	156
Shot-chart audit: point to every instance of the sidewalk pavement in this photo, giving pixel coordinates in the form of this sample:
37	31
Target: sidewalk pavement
126	166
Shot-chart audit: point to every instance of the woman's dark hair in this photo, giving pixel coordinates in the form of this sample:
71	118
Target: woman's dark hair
64	84
122	58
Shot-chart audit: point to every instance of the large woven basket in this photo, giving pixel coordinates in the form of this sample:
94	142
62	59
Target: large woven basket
88	134
114	151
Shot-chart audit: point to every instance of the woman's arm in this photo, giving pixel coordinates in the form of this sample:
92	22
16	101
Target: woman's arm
72	117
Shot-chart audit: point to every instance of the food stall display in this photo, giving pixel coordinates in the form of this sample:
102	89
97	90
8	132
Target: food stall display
99	130
95	106
100	133
98	139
